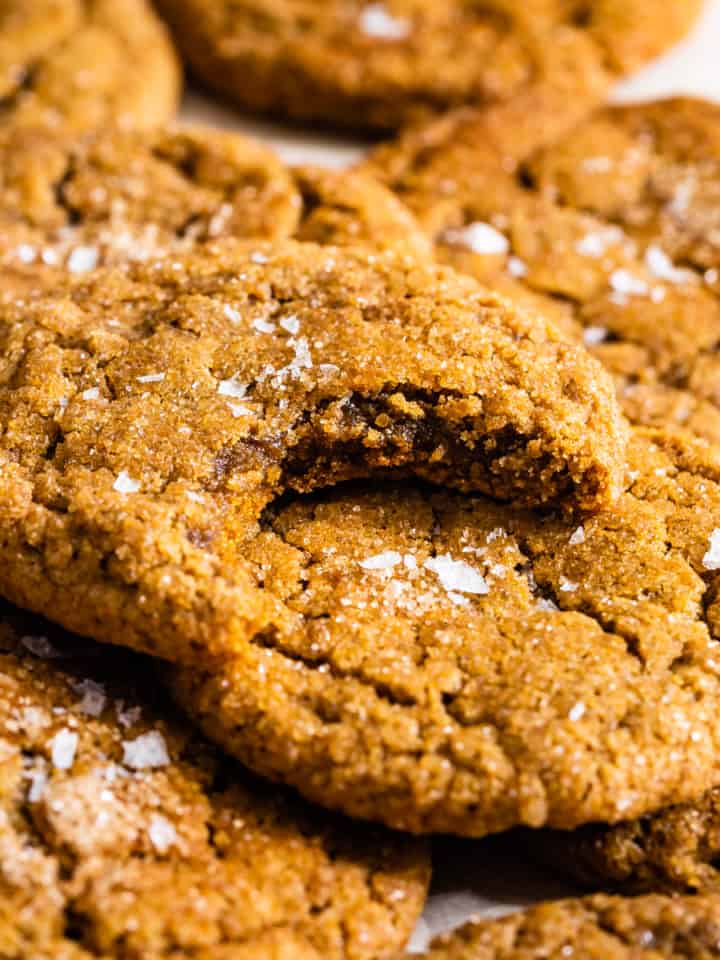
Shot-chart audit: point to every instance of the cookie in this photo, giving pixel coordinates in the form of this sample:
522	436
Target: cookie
612	229
675	850
149	415
364	64
611	928
68	207
82	64
124	834
454	665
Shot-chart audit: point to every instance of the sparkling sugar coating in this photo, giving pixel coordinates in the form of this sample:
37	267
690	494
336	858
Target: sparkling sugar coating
380	64
104	856
611	928
617	222
84	64
69	205
397	367
574	679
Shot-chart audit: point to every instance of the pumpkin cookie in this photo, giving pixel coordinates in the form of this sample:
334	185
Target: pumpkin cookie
360	63
83	64
676	850
123	834
611	928
149	414
68	207
450	664
613	229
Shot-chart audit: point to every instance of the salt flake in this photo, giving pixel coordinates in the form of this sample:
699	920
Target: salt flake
711	560
291	324
456	575
377	21
92	393
592	336
624	282
124	483
381	561
478	237
578	537
62	749
151	378
162	833
577	712
232	388
264	326
82	259
146	751
93	697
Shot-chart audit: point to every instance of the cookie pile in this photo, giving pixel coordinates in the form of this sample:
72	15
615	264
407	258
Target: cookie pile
339	509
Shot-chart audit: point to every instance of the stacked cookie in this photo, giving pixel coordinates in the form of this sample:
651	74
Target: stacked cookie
376	504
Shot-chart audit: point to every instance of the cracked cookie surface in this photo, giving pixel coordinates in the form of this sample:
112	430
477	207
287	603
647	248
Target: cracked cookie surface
83	64
455	665
123	834
611	928
613	229
676	849
68	207
379	64
148	415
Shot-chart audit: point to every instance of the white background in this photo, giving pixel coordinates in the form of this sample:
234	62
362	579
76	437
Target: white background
471	877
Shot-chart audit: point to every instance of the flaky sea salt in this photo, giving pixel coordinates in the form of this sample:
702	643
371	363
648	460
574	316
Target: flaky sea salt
264	326
146	751
377	21
239	409
92	393
291	324
568	586
25	253
93	697
62	749
517	267
592	336
151	378
578	537
124	483
624	282
162	833
40	647
577	712
381	561
711	560
82	259
660	264
38	781
232	388
478	237
456	575
596	244
231	314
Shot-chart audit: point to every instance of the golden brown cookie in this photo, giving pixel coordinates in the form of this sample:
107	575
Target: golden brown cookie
595	928
67	207
612	229
361	63
82	64
451	664
149	414
124	835
676	849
